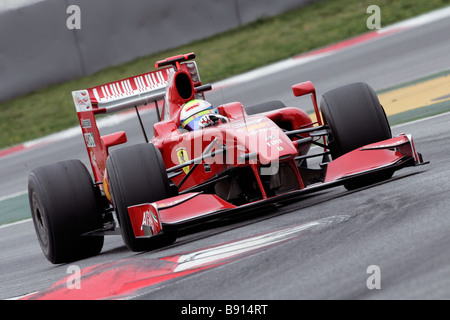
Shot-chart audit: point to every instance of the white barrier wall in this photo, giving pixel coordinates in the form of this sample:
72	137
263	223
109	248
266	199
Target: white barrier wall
37	48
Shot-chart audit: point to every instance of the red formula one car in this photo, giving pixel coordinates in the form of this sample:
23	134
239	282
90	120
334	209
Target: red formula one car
204	162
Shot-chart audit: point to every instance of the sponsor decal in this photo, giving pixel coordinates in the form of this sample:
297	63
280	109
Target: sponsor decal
86	123
150	219
255	126
182	158
193	106
274	142
89	138
81	100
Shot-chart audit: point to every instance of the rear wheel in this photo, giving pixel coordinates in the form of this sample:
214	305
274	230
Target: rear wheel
355	118
137	175
64	206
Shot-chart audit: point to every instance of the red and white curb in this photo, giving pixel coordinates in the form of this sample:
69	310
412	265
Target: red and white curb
131	278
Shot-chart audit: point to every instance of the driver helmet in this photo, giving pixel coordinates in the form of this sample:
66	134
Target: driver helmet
192	111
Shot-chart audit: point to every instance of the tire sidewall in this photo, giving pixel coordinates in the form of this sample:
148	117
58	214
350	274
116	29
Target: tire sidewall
355	117
64	196
136	175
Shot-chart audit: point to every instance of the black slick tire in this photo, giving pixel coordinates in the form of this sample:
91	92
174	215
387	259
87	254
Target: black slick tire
355	118
137	175
65	206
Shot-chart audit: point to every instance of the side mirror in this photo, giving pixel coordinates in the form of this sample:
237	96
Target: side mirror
301	89
114	139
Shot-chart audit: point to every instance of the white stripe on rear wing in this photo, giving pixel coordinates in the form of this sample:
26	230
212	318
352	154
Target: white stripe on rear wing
130	92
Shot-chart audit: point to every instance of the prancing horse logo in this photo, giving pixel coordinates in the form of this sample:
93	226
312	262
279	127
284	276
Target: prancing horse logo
182	158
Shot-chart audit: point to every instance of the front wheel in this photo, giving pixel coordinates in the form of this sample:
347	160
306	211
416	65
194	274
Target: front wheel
355	118
137	175
64	206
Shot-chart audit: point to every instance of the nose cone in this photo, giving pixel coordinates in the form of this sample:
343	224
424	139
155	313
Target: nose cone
262	137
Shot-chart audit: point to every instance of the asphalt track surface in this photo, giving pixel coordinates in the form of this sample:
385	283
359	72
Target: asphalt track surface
401	226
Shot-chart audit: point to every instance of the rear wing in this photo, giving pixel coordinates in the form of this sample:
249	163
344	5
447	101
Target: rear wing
148	85
130	92
120	95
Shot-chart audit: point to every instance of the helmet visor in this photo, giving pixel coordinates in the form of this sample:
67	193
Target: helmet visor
193	122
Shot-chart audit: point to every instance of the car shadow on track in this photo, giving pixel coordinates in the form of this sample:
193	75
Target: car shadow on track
272	211
225	224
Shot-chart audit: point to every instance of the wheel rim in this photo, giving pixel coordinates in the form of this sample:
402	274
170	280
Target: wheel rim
40	222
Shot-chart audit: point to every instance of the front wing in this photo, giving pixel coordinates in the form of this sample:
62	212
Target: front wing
189	209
